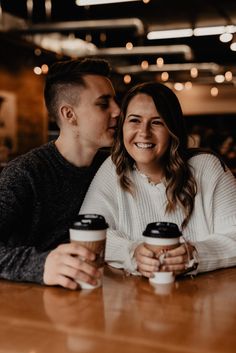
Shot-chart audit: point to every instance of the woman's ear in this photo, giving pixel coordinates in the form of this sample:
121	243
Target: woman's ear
68	114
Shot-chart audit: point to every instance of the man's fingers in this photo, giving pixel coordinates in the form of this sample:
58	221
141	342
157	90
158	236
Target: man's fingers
66	282
76	249
78	265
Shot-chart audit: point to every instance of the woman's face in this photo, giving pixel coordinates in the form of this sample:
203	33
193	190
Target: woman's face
146	137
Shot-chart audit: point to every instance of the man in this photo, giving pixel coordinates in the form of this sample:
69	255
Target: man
41	192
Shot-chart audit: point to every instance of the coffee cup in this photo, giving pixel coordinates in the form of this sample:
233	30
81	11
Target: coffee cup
159	238
89	230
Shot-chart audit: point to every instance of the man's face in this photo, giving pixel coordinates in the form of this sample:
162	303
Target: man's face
96	112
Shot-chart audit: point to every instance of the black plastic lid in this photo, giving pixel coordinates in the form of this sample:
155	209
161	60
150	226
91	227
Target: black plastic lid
162	230
89	222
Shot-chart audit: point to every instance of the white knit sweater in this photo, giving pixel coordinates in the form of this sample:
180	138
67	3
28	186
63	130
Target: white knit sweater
212	226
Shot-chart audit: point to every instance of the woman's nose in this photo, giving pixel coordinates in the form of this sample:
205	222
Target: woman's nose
144	129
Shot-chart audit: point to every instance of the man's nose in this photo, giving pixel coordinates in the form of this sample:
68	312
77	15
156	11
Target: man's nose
115	111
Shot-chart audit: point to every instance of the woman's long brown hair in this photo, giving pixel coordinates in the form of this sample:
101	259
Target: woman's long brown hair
181	186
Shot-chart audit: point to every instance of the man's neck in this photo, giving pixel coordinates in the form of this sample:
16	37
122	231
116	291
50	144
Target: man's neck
74	153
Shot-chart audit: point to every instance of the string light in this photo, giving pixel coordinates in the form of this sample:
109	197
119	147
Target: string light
37	52
214	91
103	37
178	86
165	76
44	68
127	79
219	78
228	76
226	37
129	46
144	65
194	72
188	85
37	70
88	37
160	62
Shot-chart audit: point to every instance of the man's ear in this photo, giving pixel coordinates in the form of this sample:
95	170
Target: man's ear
68	114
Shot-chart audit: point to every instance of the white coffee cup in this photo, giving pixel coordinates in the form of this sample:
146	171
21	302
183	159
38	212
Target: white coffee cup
161	237
89	230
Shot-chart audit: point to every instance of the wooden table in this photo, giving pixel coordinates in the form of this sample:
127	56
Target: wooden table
126	315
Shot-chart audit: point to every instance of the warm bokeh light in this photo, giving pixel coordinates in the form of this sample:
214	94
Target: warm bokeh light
188	85
37	70
165	76
178	86
226	37
129	46
219	78
144	64
146	1
88	37
194	72
103	37
228	76
214	91
44	68
160	62
37	52
127	79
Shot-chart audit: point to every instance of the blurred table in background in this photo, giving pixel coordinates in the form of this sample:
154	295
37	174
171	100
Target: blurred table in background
127	315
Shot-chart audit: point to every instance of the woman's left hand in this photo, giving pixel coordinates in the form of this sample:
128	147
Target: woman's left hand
177	260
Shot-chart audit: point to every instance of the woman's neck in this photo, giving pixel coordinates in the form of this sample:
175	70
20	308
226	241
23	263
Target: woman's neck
153	174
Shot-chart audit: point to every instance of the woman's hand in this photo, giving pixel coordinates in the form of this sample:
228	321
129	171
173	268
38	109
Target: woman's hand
177	260
146	261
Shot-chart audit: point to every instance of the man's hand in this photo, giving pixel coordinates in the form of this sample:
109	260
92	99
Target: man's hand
67	263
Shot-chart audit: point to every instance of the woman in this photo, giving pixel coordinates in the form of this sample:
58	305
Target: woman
153	176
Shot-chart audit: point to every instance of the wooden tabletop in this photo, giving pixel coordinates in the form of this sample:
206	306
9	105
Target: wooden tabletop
127	315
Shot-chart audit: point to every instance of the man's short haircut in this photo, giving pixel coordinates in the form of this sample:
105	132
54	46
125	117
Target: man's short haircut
64	75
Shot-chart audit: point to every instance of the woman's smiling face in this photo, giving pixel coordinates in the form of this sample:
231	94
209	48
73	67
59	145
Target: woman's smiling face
146	137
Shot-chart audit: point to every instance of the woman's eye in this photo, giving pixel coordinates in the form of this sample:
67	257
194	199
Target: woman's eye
134	120
157	122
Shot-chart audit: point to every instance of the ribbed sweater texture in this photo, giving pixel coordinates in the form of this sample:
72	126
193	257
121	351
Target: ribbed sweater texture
212	226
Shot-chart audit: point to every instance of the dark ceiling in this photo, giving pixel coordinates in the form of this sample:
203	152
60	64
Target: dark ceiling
112	26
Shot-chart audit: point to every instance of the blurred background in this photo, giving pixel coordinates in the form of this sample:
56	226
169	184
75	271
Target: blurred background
188	45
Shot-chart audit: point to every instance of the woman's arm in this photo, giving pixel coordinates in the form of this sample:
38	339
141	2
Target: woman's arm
104	197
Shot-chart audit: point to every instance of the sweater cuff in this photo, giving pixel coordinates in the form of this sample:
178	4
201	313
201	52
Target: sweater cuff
35	274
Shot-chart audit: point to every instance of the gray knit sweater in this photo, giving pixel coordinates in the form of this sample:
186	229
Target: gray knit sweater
40	194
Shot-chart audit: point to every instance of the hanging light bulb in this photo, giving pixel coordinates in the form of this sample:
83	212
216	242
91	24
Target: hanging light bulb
233	43
194	72
214	91
144	64
228	76
160	62
227	35
165	76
